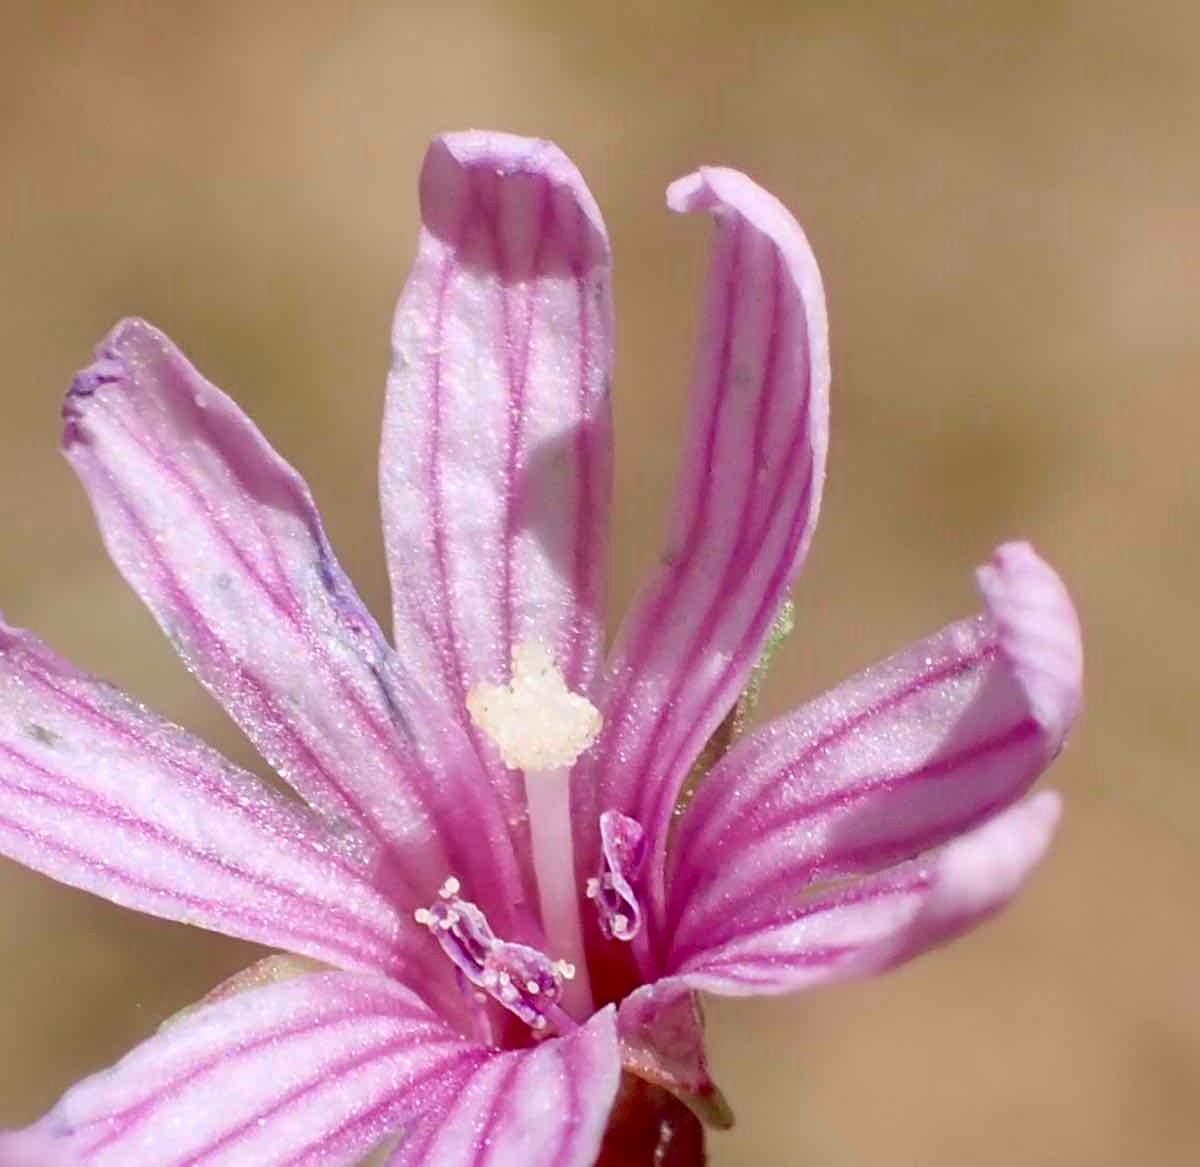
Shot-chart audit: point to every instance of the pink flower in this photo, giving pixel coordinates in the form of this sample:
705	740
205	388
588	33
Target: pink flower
485	851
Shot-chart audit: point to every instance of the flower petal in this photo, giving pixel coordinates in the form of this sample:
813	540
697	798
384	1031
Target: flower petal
879	921
220	537
496	460
903	757
312	1071
98	792
542	1107
745	506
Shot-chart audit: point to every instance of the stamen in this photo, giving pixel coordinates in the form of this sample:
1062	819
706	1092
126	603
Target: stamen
541	727
522	979
622	842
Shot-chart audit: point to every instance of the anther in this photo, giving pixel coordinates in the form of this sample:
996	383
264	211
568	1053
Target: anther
622	845
522	979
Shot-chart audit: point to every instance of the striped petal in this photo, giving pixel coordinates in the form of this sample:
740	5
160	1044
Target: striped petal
220	537
314	1071
496	460
542	1107
745	507
874	923
101	794
910	753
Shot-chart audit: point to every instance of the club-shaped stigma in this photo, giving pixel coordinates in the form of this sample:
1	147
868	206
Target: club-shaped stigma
537	723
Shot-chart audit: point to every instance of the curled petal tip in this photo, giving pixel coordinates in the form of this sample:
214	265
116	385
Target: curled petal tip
501	151
711	187
108	365
1044	809
104	370
1038	630
129	338
982	871
516	182
30	1148
720	188
131	341
130	330
973	878
688	193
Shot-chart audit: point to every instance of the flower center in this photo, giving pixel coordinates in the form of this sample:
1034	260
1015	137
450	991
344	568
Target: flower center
522	979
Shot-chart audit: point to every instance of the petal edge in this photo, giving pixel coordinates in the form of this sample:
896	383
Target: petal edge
883	920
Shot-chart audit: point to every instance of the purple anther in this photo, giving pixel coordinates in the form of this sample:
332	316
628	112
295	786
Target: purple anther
522	979
102	371
622	842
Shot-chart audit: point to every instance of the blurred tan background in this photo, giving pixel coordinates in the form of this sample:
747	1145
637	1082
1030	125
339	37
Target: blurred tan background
1004	201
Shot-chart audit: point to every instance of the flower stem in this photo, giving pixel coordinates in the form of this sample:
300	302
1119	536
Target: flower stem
548	795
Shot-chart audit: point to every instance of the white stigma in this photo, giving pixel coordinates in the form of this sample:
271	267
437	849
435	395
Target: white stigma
536	722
